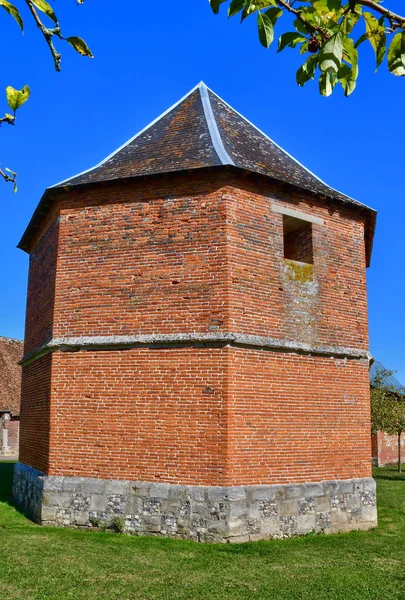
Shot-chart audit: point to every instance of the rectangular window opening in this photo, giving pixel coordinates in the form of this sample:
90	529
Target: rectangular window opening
298	240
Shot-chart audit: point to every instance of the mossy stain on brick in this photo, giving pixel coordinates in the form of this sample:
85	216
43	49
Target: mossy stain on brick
300	272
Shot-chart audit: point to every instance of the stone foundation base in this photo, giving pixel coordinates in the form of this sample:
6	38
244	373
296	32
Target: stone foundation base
217	514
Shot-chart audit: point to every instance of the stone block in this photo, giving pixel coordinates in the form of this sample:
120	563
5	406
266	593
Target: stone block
265	492
331	488
151	523
119	488
353	501
48	513
197	493
98	502
289	508
58	499
338	517
80	518
140	488
270	527
346	486
293	491
52	484
369	513
72	484
312	489
159	490
236	493
93	486
306	523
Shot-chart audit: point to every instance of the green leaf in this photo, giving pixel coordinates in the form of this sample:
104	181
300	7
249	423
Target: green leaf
8	116
235	7
80	46
304	47
13	11
273	14
327	6
307	70
396	55
16	98
325	84
351	55
375	33
215	4
349	22
291	39
347	79
299	26
266	29
330	56
46	8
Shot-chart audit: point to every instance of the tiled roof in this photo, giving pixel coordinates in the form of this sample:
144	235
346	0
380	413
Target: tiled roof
11	352
199	131
202	130
391	381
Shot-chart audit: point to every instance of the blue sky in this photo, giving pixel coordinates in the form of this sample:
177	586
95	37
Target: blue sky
145	61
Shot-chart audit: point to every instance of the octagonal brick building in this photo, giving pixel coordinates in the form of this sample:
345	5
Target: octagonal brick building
196	352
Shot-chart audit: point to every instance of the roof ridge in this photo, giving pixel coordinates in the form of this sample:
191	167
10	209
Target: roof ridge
213	126
163	114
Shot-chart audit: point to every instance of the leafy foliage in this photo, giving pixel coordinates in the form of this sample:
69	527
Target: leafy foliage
387	408
387	405
16	98
325	29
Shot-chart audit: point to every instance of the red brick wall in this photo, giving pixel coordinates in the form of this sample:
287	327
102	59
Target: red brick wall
297	418
145	261
324	303
156	415
41	290
13	434
385	448
35	413
199	253
209	416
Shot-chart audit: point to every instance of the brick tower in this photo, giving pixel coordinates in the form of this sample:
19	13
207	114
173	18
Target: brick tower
196	353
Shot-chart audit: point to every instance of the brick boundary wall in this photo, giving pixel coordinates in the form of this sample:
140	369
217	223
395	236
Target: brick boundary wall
200	513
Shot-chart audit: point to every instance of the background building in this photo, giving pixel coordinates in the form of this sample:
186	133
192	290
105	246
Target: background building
384	447
11	352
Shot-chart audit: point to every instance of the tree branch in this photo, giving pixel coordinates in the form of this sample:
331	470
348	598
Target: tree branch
47	33
382	11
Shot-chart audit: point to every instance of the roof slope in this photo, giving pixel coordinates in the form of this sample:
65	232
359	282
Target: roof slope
199	131
202	130
11	351
391	381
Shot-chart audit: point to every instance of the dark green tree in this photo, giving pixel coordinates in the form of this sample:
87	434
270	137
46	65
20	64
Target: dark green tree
387	409
328	33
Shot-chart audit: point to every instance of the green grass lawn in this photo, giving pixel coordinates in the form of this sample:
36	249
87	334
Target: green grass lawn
44	563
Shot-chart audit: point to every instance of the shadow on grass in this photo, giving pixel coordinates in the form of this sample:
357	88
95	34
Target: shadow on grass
389	473
6	478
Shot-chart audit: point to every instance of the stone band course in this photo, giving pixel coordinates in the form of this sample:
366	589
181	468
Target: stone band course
122	342
211	514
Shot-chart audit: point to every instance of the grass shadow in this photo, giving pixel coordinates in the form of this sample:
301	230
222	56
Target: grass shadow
6	478
389	473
